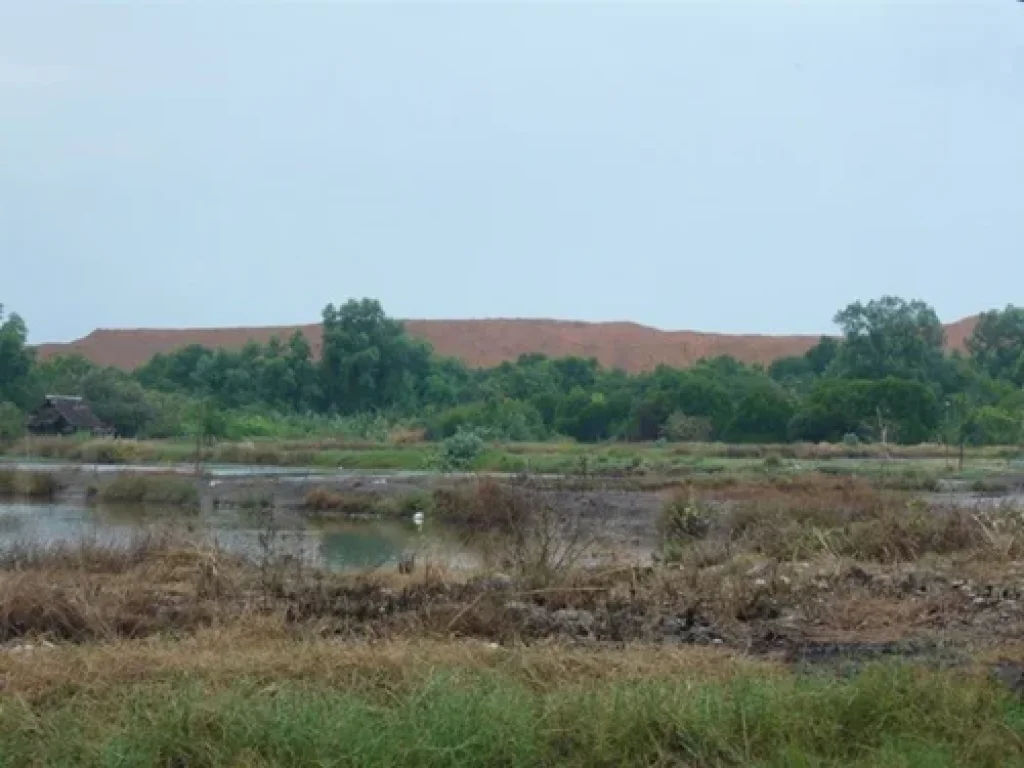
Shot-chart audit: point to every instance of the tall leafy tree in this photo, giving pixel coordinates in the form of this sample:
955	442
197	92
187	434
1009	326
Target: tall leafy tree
820	356
997	344
16	360
890	337
761	416
63	375
368	361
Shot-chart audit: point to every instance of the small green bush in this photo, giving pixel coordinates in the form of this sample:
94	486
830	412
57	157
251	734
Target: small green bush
460	451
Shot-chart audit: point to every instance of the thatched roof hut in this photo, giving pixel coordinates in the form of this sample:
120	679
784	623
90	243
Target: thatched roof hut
64	415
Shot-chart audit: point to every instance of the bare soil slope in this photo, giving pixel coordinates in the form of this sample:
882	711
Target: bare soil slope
483	343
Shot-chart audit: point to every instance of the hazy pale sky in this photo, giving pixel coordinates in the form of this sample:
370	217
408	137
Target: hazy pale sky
727	166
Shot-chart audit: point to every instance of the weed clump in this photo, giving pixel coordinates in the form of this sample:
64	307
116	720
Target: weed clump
165	490
30	485
322	500
684	518
487	506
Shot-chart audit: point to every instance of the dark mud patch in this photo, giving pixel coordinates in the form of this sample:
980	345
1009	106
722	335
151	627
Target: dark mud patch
496	609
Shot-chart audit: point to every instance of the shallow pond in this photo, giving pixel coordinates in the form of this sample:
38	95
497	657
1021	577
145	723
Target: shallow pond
336	546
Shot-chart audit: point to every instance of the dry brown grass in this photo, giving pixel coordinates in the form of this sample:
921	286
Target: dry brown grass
407	436
171	589
159	489
345	504
806	516
261	650
31	485
97	592
485	506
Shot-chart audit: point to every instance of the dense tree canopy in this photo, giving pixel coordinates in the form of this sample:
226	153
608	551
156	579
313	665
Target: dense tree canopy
15	360
886	378
368	361
997	344
889	337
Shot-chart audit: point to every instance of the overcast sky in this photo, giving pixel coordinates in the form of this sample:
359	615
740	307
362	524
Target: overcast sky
726	166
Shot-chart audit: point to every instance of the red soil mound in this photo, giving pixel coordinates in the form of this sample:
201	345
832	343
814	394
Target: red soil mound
481	343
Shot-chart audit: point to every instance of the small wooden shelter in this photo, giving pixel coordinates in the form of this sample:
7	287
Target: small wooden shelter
65	415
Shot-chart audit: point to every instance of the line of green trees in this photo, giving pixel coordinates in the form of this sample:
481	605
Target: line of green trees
887	376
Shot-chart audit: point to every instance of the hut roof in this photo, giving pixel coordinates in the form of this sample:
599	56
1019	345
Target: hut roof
74	410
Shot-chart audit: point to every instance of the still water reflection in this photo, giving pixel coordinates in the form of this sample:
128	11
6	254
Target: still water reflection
337	546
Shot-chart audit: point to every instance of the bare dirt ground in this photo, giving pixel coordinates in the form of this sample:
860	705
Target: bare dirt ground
481	343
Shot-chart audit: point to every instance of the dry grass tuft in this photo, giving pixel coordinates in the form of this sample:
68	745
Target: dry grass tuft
164	490
347	504
485	506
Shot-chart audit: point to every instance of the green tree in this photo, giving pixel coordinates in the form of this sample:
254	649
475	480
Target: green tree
208	422
63	375
761	416
302	391
837	407
989	425
820	356
12	422
16	360
890	337
119	401
584	415
368	361
997	344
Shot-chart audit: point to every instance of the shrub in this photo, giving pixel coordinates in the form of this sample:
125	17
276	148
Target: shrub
993	426
682	428
460	451
485	506
684	518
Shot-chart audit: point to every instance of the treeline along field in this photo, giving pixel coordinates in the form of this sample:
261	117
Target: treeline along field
887	378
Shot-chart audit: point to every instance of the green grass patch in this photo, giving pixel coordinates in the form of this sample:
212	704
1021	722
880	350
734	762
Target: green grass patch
883	717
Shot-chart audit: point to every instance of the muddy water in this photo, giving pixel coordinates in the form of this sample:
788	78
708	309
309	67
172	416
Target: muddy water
336	546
